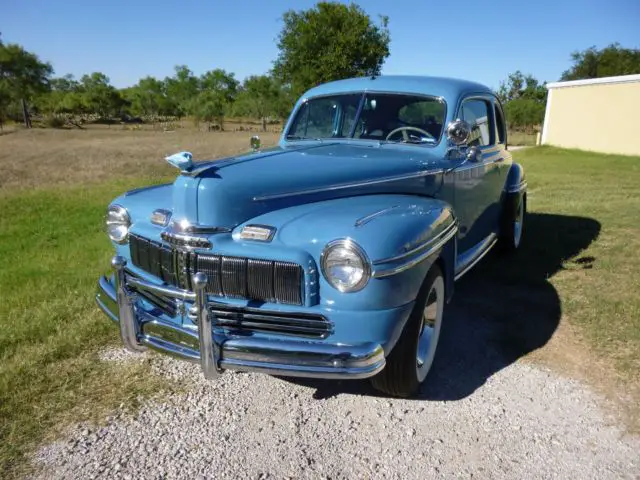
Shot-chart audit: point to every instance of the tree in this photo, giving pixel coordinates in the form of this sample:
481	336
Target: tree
259	98
610	61
524	100
5	99
209	106
218	91
519	86
99	95
181	89
148	97
330	41
22	76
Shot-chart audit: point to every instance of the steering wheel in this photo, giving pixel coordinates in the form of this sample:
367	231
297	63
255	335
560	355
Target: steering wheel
405	135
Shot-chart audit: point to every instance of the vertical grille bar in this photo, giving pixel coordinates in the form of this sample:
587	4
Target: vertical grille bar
134	247
166	259
260	280
287	279
143	254
211	266
234	277
155	261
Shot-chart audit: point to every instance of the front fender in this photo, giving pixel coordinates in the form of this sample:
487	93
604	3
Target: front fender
395	231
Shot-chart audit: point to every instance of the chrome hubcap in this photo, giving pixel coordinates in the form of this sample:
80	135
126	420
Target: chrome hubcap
430	328
517	227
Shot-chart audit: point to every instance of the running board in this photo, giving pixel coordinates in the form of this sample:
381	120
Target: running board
468	259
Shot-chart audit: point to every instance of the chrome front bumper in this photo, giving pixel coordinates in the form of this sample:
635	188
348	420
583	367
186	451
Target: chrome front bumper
216	351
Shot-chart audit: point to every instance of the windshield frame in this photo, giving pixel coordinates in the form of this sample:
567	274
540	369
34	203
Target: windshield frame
363	95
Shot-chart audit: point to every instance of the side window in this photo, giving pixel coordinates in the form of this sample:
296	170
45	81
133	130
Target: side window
477	113
500	130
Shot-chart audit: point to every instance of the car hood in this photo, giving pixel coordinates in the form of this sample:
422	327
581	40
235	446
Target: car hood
228	192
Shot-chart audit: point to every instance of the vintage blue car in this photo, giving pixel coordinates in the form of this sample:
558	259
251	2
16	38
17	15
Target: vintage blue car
331	255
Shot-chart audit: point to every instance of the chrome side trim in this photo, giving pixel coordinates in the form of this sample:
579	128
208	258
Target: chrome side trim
517	188
340	186
367	218
483	248
433	248
453	227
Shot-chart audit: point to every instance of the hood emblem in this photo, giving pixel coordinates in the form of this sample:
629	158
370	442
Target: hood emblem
181	160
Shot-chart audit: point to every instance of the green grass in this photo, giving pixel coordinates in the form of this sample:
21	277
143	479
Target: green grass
53	249
599	287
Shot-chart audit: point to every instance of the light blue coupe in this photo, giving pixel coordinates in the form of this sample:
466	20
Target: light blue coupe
331	255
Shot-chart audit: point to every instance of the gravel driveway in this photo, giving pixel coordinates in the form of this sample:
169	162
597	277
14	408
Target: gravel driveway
479	417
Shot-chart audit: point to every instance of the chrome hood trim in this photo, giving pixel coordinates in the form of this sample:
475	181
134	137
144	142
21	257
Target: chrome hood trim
340	186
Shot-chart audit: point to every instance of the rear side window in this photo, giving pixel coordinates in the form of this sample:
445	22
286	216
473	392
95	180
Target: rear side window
500	130
477	113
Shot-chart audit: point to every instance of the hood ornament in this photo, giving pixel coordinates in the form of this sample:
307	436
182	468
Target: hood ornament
181	160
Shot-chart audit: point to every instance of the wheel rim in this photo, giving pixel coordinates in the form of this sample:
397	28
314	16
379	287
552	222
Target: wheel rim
430	328
518	223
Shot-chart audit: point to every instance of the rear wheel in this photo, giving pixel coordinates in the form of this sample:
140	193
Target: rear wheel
512	225
412	357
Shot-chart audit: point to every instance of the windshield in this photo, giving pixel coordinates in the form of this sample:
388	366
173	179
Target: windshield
388	117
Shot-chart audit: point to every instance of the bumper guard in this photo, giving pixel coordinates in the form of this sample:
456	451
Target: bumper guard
212	348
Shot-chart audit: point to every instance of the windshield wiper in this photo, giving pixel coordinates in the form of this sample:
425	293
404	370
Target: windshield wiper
298	137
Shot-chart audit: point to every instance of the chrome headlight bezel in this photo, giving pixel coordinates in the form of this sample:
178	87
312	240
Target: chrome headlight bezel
116	218
353	248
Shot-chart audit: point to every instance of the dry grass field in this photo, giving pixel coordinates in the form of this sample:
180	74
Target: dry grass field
47	157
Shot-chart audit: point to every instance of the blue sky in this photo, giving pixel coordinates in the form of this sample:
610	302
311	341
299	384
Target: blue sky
477	40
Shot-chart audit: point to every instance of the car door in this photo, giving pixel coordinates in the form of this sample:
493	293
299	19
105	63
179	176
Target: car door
478	184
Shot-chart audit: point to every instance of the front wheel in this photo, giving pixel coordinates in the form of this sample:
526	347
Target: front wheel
412	357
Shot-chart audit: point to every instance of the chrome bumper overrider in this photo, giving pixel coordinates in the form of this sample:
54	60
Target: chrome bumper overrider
216	351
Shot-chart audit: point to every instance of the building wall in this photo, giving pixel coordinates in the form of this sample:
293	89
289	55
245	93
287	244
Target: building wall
602	117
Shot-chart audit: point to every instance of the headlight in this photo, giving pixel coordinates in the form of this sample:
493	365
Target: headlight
118	223
345	265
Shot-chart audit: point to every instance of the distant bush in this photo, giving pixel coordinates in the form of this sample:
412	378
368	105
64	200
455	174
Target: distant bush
54	121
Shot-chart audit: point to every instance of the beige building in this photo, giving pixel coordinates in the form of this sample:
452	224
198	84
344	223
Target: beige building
599	114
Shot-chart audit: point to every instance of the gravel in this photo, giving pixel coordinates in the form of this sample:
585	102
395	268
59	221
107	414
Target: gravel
522	422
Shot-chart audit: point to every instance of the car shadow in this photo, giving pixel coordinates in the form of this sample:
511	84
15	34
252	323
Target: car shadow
503	309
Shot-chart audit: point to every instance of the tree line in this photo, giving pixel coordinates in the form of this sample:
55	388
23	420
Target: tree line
329	41
524	97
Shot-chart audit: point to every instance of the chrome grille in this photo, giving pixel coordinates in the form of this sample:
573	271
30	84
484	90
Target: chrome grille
304	325
232	277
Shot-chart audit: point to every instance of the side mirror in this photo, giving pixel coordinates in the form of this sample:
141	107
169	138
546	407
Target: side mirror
255	143
458	132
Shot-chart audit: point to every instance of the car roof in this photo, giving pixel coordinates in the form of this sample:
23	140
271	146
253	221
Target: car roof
448	88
